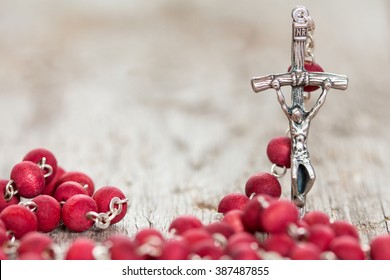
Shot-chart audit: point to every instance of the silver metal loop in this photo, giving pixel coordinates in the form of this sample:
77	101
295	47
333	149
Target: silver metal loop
100	219
44	166
275	173
10	191
300	14
30	205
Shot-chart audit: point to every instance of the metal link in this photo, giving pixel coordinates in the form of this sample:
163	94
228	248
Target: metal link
9	191
275	173
310	44
103	220
30	205
44	166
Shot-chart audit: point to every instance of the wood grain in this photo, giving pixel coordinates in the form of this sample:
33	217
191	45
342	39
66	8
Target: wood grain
156	99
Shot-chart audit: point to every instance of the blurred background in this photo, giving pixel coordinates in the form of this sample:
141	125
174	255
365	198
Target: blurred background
154	97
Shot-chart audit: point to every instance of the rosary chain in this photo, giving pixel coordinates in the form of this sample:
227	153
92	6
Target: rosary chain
10	191
103	220
30	205
310	44
43	165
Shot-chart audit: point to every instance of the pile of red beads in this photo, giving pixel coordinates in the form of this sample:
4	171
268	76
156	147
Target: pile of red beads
40	195
266	228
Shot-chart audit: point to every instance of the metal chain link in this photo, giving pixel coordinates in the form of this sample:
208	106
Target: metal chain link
276	173
103	220
30	205
44	166
9	191
310	44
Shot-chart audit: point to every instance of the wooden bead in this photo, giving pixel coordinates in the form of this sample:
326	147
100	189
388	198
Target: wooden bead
36	157
232	201
279	215
68	189
263	183
19	220
279	151
48	212
74	212
380	248
103	198
183	223
347	248
78	177
81	249
28	179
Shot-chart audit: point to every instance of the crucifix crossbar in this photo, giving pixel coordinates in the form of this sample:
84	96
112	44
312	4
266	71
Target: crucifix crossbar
302	172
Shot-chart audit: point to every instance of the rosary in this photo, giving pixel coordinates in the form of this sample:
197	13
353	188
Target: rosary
40	197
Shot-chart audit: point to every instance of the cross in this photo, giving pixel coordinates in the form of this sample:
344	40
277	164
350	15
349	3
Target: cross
302	172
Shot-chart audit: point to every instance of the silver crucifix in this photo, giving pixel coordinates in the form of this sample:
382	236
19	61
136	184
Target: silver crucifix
302	172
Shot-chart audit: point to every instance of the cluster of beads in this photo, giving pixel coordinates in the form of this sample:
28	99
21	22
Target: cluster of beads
40	195
266	228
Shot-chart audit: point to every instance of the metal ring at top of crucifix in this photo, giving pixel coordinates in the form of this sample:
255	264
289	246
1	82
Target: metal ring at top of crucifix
302	171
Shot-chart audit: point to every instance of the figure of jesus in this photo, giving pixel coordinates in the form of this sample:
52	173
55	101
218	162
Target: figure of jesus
302	172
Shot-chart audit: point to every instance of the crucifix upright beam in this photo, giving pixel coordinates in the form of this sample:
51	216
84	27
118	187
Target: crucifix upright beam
302	171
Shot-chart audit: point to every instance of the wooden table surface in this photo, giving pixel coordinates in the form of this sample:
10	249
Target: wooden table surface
155	98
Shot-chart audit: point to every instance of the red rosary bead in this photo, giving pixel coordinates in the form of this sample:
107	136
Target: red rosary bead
3	202
279	243
103	197
75	212
347	248
2	225
279	151
232	201
28	178
175	249
380	248
305	251
321	235
149	242
220	228
81	249
341	228
252	216
234	219
36	157
38	243
48	212
196	235
244	252
19	220
279	215
80	178
207	249
241	238
67	190
263	183
121	247
316	217
50	187
183	223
